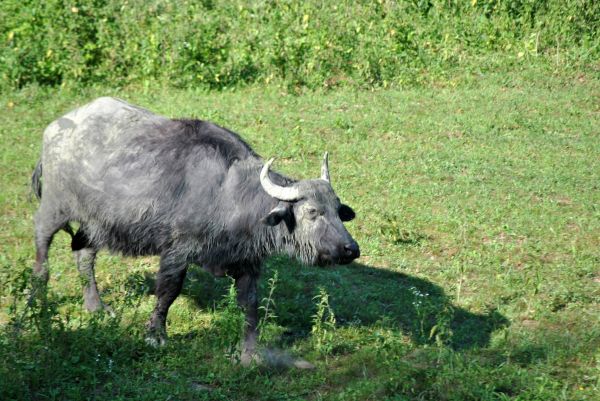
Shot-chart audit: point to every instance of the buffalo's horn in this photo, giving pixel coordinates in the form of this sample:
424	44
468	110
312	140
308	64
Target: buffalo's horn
325	167
276	191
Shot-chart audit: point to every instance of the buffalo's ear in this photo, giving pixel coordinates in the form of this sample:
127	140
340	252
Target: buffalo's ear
346	213
276	215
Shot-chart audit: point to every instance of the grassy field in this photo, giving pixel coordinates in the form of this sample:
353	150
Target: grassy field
478	219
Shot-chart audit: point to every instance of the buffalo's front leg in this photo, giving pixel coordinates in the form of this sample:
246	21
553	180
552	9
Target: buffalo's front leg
247	296
169	282
246	285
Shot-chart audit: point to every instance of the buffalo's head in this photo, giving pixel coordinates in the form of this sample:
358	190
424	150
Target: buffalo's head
314	217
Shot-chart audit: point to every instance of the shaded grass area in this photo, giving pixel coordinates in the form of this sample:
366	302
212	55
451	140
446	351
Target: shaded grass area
479	222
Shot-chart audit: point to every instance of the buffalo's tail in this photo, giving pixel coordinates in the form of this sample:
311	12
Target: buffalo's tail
36	183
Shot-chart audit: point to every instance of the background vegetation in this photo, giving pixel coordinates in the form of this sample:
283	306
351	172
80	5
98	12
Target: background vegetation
464	134
218	44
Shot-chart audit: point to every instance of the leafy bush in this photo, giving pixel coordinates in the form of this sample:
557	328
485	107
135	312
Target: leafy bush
218	44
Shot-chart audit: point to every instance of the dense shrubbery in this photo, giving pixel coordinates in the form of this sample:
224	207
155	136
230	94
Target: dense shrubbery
218	43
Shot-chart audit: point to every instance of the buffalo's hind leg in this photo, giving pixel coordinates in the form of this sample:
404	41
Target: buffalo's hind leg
48	221
169	282
85	257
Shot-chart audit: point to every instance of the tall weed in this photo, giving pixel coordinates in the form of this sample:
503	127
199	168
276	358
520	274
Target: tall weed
323	327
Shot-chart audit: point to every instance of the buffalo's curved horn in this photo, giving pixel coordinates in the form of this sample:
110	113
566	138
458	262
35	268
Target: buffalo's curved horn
325	167
276	191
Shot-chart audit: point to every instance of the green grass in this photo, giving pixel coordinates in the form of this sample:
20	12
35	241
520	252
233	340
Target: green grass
478	219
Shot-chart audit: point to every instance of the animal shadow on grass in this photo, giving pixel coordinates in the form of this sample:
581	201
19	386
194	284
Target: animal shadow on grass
359	295
59	358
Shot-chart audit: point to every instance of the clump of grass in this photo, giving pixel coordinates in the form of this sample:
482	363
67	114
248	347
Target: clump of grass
395	231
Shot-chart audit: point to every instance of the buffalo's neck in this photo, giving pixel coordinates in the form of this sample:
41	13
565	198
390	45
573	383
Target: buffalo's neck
257	204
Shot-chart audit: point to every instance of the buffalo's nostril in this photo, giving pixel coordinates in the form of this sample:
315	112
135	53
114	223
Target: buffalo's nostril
352	250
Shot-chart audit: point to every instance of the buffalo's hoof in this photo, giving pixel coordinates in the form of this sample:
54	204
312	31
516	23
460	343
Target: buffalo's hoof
94	307
155	337
155	341
250	358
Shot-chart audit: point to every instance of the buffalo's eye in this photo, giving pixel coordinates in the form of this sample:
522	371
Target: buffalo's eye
346	213
312	213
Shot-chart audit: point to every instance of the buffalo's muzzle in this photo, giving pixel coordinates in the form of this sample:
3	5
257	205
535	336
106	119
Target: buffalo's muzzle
352	250
349	252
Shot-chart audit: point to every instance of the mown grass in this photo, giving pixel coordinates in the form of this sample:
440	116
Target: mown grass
479	222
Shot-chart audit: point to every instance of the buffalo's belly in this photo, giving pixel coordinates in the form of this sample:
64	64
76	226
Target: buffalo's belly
130	240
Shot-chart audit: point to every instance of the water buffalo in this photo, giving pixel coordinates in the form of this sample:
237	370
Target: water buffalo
188	190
